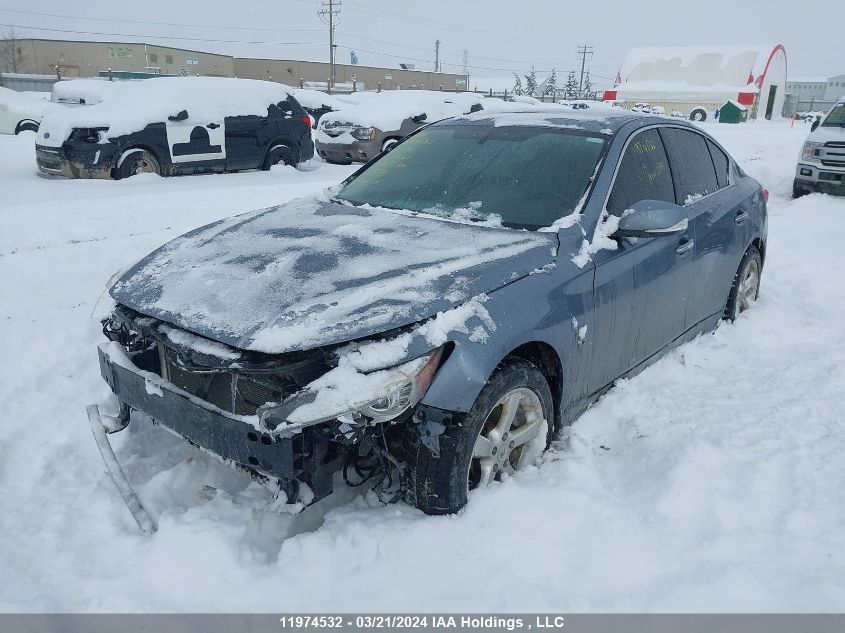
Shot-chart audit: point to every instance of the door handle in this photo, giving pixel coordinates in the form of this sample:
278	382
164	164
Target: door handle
685	247
212	126
741	217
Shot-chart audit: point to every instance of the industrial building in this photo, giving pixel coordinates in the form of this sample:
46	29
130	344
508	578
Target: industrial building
813	93
683	79
295	73
67	58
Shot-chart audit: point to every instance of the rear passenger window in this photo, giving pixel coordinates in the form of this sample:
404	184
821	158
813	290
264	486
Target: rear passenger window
692	166
721	162
643	174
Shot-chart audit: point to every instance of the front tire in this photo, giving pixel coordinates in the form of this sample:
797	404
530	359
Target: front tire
142	162
746	284
509	425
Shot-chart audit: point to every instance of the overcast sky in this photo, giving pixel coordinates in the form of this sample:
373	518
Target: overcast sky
500	36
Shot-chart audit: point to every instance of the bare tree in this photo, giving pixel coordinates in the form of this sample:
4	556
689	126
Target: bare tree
12	57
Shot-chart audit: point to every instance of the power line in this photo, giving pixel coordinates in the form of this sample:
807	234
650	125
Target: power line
329	13
179	24
159	37
583	52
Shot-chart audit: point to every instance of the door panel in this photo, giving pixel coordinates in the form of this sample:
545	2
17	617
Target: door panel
641	288
196	141
716	216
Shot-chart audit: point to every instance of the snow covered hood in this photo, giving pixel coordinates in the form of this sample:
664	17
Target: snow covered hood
134	105
312	273
387	110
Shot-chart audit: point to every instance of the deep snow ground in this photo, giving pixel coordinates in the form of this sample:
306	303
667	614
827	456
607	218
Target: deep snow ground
711	482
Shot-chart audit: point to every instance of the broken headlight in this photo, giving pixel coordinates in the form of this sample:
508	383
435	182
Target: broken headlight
404	392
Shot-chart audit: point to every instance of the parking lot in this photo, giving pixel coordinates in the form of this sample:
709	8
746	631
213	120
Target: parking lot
717	469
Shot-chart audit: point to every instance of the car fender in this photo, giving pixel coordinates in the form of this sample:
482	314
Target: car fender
552	306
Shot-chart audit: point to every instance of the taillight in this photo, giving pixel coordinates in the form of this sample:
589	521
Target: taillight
766	196
306	120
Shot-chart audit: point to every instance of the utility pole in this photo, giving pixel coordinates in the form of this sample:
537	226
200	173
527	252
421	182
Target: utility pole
329	13
437	56
465	62
583	51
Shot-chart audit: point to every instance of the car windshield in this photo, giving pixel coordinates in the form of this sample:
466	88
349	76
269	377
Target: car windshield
519	176
836	117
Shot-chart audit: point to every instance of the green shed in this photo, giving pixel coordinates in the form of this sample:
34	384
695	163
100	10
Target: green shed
733	112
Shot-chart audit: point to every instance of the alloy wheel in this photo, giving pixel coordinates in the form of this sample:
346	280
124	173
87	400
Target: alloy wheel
749	286
512	436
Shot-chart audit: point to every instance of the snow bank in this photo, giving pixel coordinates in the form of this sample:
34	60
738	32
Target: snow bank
134	105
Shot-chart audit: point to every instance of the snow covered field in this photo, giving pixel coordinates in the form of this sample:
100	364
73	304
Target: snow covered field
714	481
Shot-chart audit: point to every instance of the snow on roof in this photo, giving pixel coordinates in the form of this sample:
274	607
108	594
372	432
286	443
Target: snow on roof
736	104
694	68
91	91
136	104
387	110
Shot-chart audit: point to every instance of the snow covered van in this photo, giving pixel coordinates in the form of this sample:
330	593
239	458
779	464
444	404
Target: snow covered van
821	166
177	125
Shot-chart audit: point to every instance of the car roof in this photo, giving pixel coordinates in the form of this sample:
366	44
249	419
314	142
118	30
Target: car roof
604	119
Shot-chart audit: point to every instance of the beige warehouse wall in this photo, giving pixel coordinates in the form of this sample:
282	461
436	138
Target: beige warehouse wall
88	59
289	71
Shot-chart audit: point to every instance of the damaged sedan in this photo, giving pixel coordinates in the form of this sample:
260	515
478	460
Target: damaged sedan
427	327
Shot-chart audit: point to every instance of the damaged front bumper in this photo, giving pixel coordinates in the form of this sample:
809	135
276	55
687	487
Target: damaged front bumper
56	161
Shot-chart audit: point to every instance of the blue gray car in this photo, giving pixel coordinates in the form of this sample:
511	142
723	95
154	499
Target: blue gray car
431	323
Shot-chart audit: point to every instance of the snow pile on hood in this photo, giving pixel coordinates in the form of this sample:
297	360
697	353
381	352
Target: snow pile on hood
387	110
313	273
86	91
135	105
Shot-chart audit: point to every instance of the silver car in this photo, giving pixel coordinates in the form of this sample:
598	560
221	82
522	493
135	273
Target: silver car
361	132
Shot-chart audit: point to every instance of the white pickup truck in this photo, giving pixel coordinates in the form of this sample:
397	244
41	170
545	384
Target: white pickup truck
821	166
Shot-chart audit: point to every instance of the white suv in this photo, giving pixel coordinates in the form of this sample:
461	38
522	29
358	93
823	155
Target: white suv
821	166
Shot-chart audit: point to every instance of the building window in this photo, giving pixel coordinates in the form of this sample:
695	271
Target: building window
168	59
153	58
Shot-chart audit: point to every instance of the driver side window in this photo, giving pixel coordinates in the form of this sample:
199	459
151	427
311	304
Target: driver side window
643	174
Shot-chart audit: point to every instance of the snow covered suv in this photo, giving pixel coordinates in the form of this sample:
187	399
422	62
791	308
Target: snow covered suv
821	166
176	125
361	132
428	326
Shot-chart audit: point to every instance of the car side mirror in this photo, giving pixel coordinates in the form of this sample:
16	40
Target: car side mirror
420	118
815	124
179	116
476	107
652	218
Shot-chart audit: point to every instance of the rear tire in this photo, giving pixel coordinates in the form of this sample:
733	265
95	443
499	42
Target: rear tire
698	114
746	284
478	448
26	126
279	155
140	162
